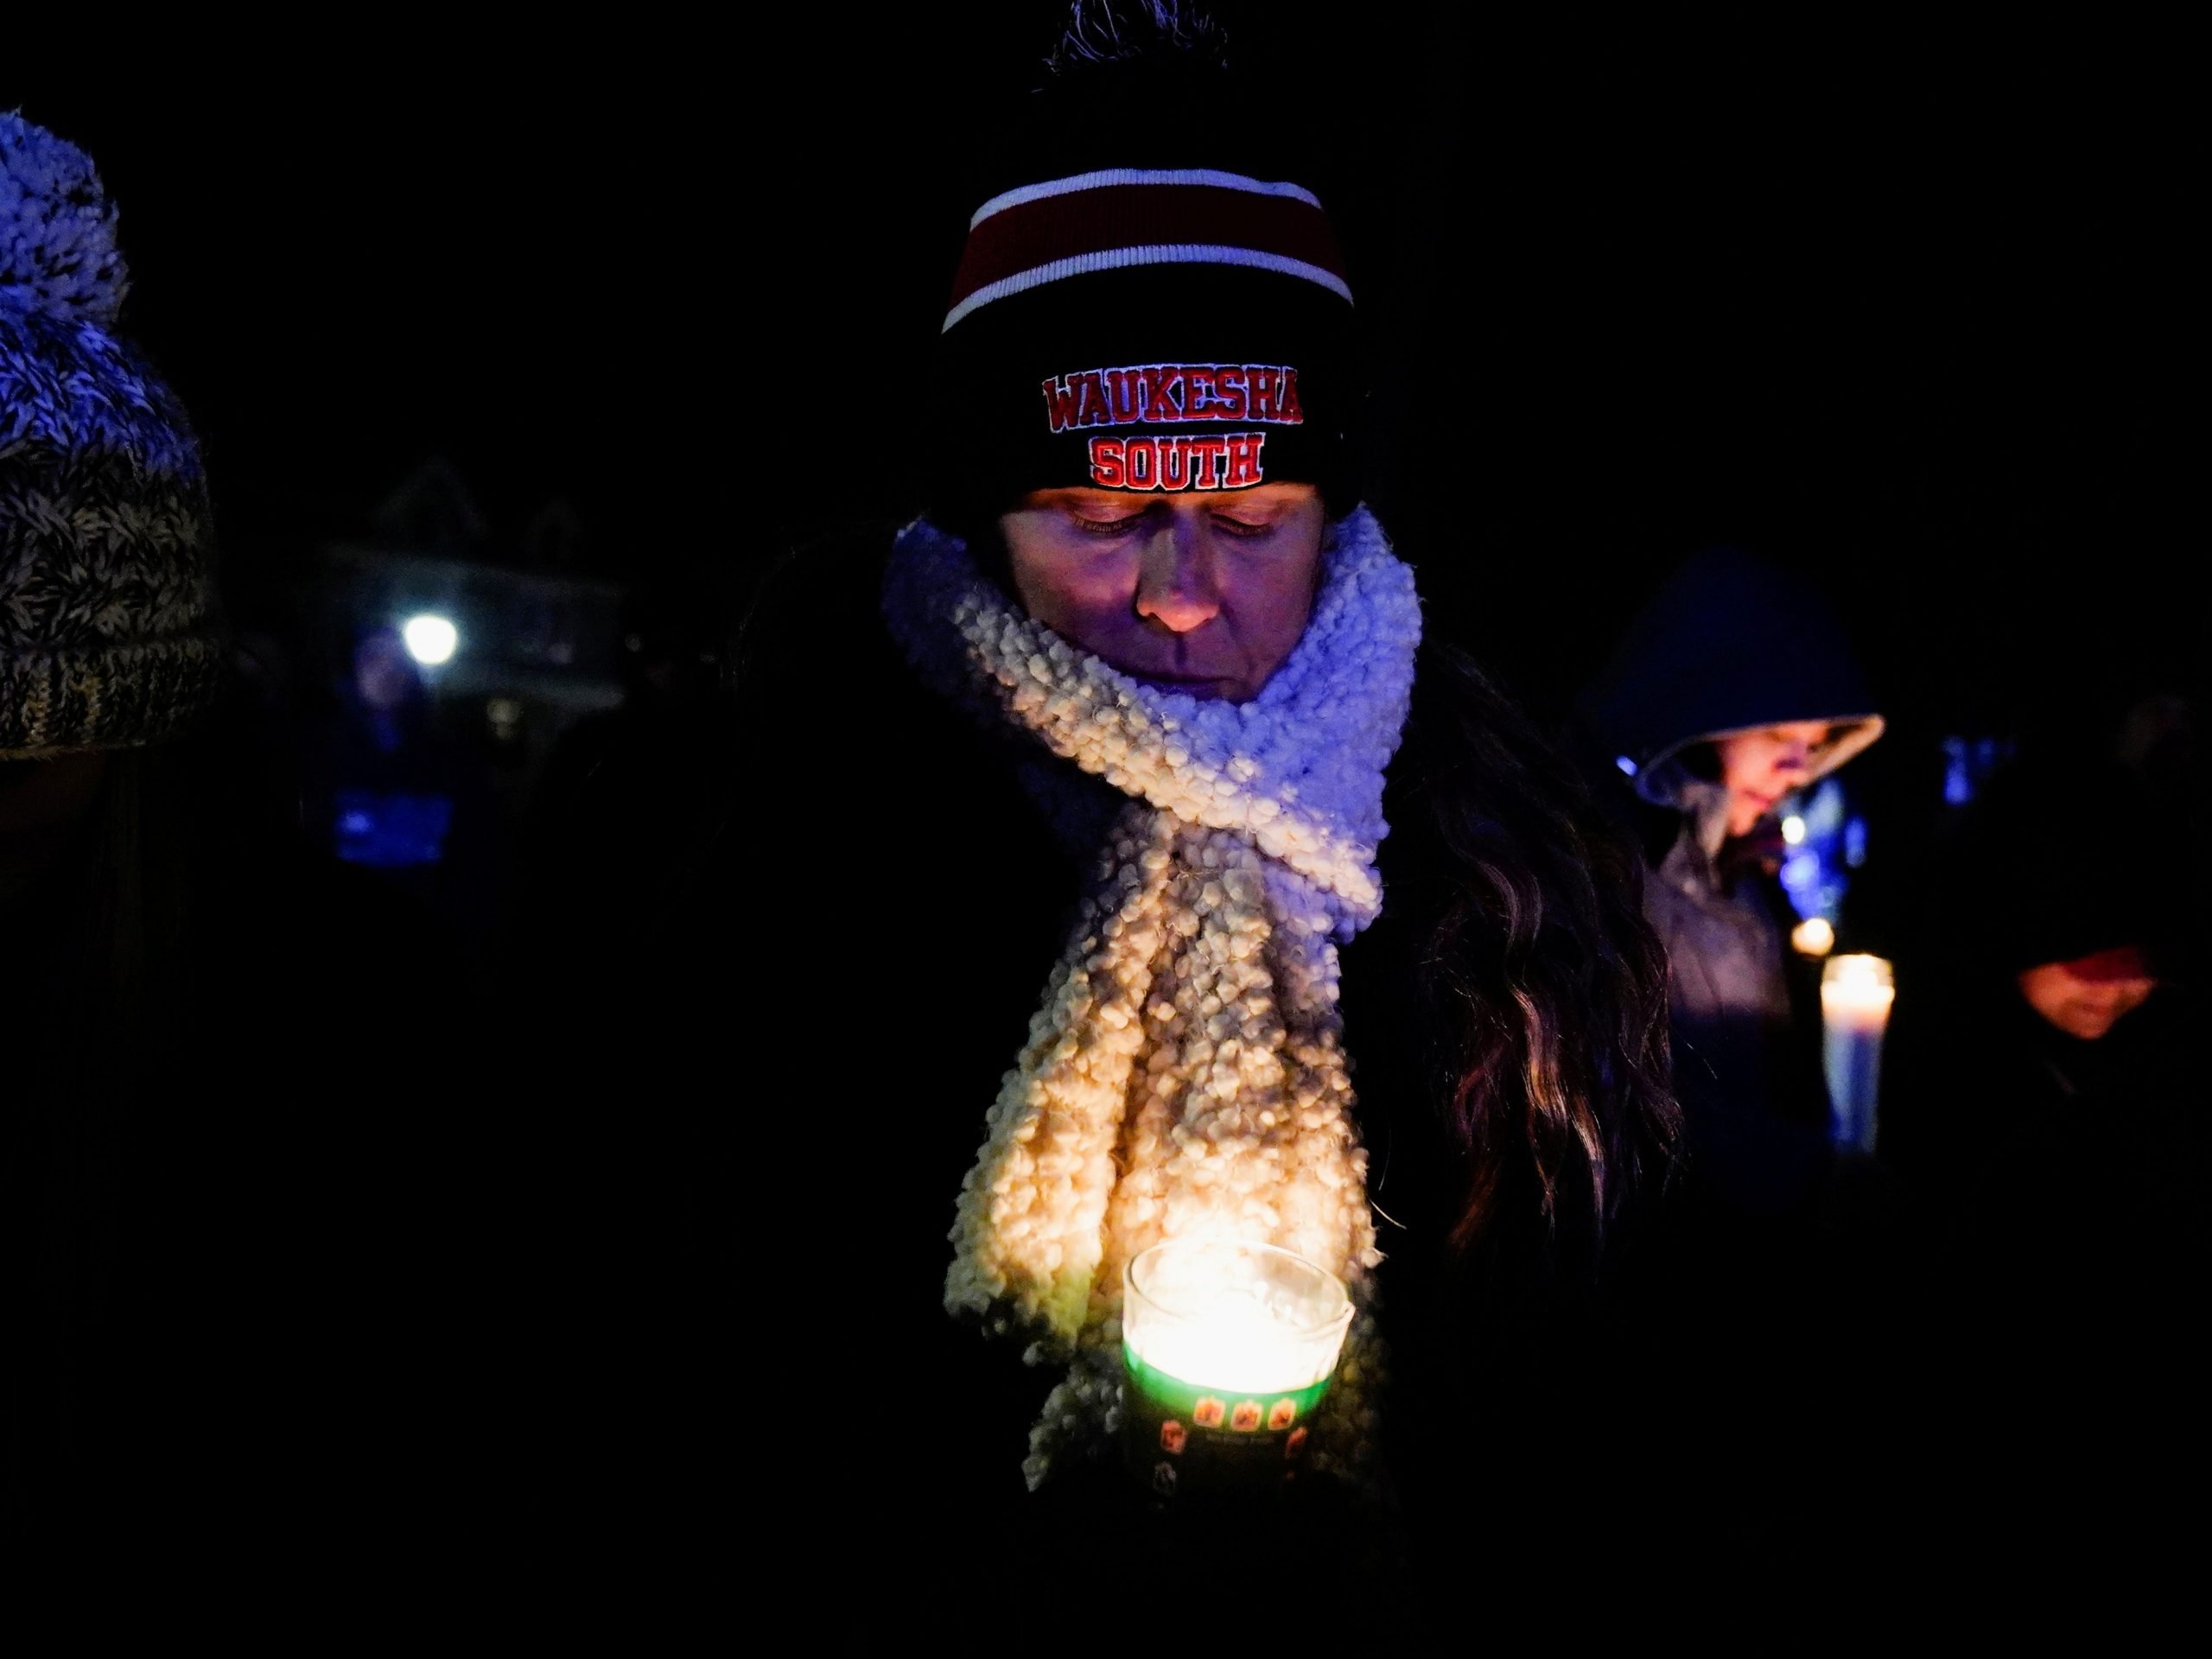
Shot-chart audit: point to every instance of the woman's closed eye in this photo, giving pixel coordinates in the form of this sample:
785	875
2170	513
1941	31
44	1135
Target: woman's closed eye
1121	526
1228	524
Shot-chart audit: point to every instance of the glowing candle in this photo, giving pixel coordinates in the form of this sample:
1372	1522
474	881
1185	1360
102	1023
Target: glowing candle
1856	993
1229	1347
1814	937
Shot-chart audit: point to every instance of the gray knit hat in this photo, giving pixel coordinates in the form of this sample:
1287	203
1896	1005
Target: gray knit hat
108	631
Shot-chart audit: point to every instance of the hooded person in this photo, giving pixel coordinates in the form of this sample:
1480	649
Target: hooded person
1734	689
1148	808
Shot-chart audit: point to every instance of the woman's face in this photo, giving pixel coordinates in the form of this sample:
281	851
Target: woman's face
1204	592
2086	998
1760	767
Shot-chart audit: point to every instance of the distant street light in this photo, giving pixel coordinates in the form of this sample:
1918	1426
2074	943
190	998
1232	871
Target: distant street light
430	640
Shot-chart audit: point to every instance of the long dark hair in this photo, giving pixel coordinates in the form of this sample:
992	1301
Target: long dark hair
1547	989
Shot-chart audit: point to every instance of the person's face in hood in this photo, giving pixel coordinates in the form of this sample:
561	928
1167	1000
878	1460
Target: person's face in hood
2086	998
1760	767
1204	592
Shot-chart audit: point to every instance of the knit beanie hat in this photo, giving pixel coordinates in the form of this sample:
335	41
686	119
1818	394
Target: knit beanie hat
109	636
1151	297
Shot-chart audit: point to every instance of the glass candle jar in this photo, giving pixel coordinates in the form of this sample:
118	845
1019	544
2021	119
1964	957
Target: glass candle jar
1229	1347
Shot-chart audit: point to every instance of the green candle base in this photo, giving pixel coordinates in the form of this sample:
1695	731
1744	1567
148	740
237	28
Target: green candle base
1184	1441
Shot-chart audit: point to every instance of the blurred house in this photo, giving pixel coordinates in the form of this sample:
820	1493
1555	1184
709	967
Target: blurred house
535	645
454	653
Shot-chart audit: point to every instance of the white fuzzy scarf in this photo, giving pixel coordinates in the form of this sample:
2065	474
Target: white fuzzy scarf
1185	1074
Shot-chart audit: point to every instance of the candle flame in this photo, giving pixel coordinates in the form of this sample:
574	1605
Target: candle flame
1860	985
1241	1318
1859	972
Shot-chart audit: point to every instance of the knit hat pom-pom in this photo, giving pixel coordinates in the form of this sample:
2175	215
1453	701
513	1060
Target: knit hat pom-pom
57	229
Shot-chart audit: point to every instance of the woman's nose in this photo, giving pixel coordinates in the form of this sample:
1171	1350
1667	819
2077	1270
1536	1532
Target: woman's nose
1175	578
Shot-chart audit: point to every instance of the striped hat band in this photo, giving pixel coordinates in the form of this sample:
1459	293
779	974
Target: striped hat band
1122	217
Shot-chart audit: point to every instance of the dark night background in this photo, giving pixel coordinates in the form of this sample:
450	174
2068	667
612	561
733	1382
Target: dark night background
1896	311
1899	311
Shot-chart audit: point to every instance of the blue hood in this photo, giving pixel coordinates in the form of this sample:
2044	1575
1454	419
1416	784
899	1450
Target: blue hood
1730	644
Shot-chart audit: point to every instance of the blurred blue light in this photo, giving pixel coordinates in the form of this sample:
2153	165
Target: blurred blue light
1625	764
1958	781
388	830
1854	843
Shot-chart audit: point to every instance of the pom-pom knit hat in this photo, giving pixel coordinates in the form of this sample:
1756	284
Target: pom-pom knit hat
1151	297
109	634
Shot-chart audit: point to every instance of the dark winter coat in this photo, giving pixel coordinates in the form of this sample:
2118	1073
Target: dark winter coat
847	942
2062	1183
2064	1235
853	926
247	1211
774	993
